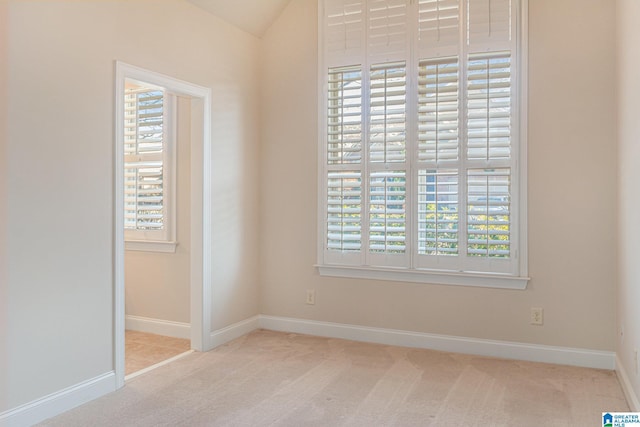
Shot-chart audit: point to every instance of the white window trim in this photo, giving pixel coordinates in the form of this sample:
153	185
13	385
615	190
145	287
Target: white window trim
517	281
136	240
483	280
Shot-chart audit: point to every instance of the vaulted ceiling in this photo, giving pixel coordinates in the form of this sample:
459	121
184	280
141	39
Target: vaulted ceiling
252	16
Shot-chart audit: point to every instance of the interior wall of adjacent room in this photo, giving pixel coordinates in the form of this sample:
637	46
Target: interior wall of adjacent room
157	284
572	171
628	337
59	158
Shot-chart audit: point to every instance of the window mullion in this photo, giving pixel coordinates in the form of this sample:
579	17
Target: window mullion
365	162
463	136
411	135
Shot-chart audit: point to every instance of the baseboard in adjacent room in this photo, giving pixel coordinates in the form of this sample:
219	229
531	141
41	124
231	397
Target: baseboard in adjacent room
502	349
231	332
167	328
56	403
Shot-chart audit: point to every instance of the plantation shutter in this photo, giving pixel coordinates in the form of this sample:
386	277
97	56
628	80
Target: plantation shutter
488	212
144	192
344	211
489	107
387	30
438	161
344	165
387	118
419	162
438	27
388	165
490	126
438	111
387	214
344	32
490	23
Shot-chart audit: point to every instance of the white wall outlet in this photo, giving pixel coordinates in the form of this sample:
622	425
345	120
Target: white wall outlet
537	316
311	296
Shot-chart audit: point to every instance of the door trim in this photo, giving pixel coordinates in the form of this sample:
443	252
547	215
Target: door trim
201	208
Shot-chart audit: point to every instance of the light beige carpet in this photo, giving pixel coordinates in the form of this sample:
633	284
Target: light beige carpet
276	379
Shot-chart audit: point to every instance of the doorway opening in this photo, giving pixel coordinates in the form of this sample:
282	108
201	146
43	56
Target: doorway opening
161	194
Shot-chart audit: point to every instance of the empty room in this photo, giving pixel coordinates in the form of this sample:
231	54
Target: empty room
324	212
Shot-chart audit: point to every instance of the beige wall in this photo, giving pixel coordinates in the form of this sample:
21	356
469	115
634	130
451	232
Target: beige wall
157	284
4	294
629	136
59	168
572	165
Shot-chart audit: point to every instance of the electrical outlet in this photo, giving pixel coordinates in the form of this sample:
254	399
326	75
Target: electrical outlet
311	296
537	316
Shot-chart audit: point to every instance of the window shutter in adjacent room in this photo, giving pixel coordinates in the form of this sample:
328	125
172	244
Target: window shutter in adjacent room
145	140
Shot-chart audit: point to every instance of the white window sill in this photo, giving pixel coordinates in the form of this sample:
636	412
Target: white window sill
424	276
150	246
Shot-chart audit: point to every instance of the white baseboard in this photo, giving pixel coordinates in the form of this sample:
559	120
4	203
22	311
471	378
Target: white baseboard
625	382
61	401
502	349
158	326
231	332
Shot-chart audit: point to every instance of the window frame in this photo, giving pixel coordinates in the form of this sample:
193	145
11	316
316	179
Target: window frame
517	277
163	241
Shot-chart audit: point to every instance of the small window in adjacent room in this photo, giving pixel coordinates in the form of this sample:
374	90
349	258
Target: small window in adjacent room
149	164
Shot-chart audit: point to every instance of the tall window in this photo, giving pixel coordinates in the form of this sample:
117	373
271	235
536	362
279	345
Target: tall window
421	140
148	144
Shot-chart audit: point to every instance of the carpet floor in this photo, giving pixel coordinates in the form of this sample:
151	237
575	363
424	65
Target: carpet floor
277	379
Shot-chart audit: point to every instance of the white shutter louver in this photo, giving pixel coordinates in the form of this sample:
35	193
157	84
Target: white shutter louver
387	215
344	116
144	173
489	106
144	197
438	212
387	33
489	22
488	212
438	27
438	110
344	147
344	211
387	120
344	31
